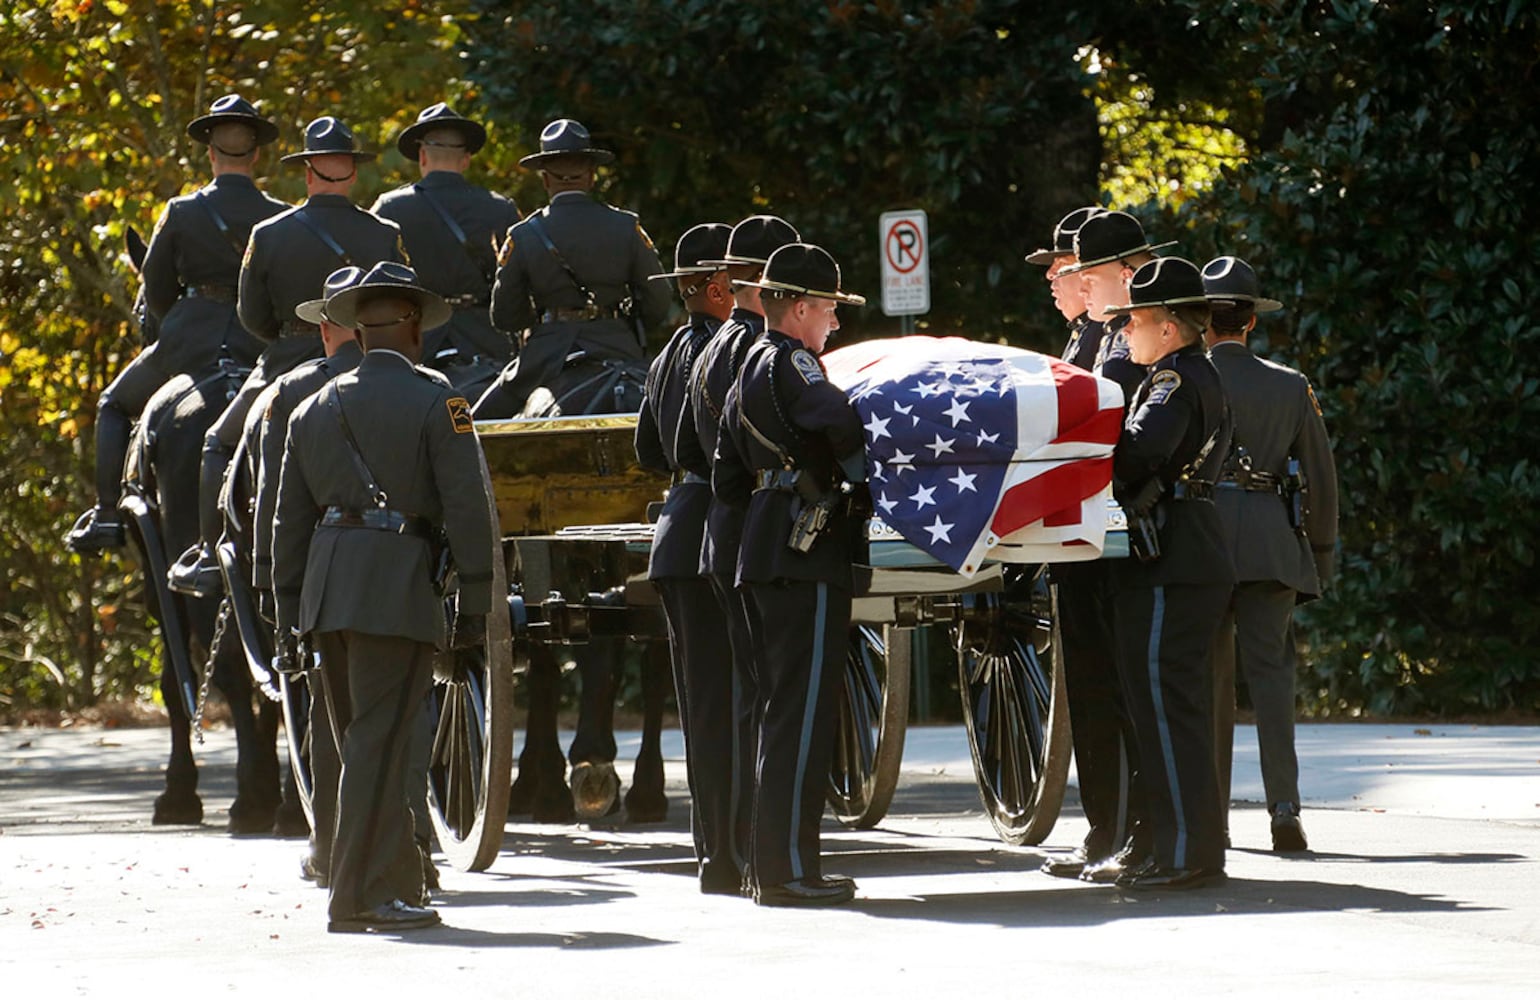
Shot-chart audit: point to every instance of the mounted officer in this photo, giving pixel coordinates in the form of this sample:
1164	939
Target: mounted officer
189	286
287	260
714	373
697	630
790	448
450	227
378	464
574	275
1169	595
1277	502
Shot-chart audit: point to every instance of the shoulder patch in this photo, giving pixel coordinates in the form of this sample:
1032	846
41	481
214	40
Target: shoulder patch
1162	385
1310	391
645	238
401	253
807	366
460	415
505	252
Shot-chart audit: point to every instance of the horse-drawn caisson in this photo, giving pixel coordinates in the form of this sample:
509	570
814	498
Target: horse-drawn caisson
573	510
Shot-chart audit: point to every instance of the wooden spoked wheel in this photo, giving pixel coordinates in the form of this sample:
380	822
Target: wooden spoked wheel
873	716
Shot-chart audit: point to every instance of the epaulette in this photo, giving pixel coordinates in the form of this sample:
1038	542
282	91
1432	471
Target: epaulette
436	377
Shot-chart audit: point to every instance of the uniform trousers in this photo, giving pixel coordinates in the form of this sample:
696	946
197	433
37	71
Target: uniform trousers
1165	638
1100	729
1256	629
325	770
377	685
706	687
802	636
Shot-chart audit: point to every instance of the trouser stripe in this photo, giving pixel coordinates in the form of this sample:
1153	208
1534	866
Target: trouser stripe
1168	755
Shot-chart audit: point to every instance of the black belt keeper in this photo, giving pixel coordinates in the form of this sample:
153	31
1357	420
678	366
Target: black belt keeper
1193	489
295	328
215	293
377	519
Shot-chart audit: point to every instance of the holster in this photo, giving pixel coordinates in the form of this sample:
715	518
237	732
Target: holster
1296	493
1143	532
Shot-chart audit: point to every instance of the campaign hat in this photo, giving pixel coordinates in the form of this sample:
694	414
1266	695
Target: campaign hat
1064	236
804	269
1231	281
232	109
1165	281
328	136
562	138
698	251
392	280
440	116
1107	237
754	239
340	280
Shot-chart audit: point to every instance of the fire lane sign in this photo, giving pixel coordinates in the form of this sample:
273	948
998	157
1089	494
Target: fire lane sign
905	263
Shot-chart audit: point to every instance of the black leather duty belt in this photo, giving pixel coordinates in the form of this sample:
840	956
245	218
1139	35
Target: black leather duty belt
467	301
1193	489
584	314
294	328
215	293
376	519
1251	482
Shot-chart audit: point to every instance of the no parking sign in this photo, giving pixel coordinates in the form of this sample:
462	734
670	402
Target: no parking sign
905	263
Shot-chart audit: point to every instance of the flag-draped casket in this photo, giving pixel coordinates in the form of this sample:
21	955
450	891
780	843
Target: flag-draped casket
981	451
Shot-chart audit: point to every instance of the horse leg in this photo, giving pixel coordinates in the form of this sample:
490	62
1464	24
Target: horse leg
179	803
541	786
645	801
595	786
256	759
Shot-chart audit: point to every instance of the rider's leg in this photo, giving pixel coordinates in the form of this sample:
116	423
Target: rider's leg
117	409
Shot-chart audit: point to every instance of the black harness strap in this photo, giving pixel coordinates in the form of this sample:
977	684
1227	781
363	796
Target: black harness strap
334	403
459	234
220	224
545	241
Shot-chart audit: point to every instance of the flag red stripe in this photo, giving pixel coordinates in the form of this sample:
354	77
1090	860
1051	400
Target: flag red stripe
1079	399
1047	492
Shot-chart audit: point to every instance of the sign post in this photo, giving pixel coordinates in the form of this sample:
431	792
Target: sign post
905	245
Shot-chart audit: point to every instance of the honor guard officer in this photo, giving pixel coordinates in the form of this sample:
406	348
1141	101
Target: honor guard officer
266	429
189	281
697	630
1170	594
789	442
1277	501
1099	726
1108	247
287	260
716	370
574	274
377	464
451	227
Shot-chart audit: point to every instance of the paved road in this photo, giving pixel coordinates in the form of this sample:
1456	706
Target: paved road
1426	877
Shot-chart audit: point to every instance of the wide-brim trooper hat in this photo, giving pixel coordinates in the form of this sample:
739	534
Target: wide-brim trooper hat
566	137
754	240
328	136
1064	236
697	250
1167	281
1231	281
392	280
340	280
431	120
803	269
1107	237
234	109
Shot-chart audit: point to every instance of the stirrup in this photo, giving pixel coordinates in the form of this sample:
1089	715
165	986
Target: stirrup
95	531
196	574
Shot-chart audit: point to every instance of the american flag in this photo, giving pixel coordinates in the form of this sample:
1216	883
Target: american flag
981	451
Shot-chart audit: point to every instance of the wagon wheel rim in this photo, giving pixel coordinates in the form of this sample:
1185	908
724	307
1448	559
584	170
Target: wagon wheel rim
871	721
1014	710
472	750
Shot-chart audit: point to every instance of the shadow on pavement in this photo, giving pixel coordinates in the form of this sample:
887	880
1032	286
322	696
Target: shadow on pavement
457	937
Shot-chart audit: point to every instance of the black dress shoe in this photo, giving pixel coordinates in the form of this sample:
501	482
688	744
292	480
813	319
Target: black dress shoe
805	892
1159	879
716	882
834	880
392	916
1069	866
1288	831
312	871
1107	871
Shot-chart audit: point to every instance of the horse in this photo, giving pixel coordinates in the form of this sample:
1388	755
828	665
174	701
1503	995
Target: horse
160	504
590	384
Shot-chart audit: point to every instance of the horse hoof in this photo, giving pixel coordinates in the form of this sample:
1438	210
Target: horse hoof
595	790
178	810
250	819
646	806
521	797
553	810
291	822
